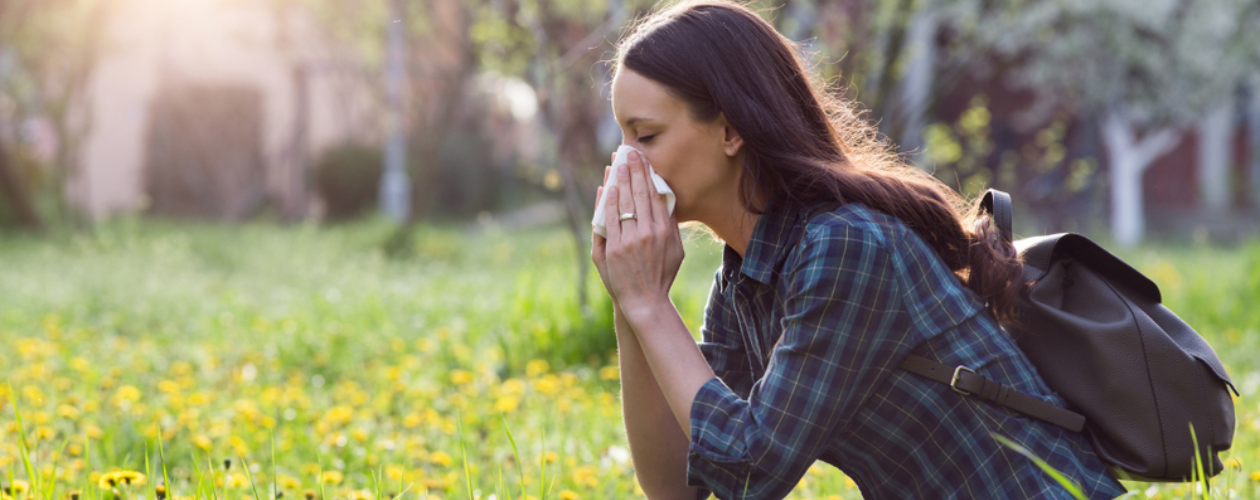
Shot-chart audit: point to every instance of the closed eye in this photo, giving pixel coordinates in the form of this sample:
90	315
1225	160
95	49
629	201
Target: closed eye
646	139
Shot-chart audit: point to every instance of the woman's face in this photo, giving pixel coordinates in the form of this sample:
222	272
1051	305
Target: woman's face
698	160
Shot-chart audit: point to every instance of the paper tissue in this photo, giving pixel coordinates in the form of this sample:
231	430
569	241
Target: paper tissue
620	159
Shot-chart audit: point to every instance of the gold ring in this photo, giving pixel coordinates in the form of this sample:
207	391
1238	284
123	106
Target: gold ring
628	216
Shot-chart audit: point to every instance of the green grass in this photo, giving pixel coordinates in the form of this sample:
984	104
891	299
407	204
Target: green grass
308	350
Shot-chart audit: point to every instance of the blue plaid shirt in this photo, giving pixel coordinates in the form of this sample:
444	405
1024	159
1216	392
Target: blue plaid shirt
805	340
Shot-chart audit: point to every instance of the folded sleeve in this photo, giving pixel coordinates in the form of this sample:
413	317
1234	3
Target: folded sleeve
844	327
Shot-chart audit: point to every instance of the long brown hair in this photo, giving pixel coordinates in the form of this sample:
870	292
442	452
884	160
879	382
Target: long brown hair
806	144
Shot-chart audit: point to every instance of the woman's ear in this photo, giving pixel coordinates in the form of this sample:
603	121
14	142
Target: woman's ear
731	141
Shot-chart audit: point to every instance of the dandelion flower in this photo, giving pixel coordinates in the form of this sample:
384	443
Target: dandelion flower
332	477
131	478
441	458
568	495
236	481
19	487
289	482
461	377
536	367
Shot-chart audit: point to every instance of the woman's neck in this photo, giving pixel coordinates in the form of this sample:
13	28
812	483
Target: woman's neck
734	224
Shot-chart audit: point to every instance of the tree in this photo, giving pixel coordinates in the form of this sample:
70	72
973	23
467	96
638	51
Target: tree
48	49
1144	70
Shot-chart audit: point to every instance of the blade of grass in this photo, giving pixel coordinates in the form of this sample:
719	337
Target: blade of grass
520	467
1198	464
201	492
148	471
248	475
1067	484
542	484
52	490
22	446
319	477
464	451
275	480
166	478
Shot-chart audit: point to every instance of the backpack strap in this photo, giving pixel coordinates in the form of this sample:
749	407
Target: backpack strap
998	203
965	381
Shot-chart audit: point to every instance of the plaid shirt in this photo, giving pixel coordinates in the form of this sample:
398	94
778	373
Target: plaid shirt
805	340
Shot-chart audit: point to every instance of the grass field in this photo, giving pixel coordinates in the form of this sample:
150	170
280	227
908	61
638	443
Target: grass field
223	362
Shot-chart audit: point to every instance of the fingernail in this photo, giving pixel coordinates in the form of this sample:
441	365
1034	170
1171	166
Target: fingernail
634	156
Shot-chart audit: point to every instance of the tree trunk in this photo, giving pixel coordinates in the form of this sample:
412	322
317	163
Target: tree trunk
1253	134
917	87
395	196
1129	159
1215	131
17	192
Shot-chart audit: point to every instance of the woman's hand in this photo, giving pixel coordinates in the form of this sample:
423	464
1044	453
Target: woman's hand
641	256
599	243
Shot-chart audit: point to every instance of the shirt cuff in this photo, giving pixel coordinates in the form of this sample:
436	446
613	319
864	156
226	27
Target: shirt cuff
716	455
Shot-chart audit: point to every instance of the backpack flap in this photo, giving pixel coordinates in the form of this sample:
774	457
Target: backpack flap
1097	333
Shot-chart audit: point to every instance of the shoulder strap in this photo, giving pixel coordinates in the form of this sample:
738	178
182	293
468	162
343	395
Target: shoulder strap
998	203
966	382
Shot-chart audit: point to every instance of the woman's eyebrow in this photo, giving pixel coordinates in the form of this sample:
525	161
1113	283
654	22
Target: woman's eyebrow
632	120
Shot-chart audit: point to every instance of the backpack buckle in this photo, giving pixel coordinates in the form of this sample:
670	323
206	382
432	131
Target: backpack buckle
953	382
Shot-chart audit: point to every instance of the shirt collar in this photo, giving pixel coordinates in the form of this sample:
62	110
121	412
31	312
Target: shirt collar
772	234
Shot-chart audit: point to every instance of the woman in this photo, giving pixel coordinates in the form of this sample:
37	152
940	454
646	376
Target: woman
807	319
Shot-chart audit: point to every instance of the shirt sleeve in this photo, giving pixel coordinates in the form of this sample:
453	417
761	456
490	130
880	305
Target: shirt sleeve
844	328
720	341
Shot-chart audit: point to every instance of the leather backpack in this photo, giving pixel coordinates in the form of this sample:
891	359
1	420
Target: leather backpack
1136	377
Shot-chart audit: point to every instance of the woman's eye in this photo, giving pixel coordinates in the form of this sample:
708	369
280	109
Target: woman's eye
646	139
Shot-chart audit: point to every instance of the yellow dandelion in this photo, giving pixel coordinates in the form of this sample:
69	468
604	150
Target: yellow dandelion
568	495
363	494
441	458
289	482
507	404
536	367
235	481
45	433
332	477
310	469
1255	476
67	411
201	441
19	487
461	377
610	372
551	457
131	478
548	384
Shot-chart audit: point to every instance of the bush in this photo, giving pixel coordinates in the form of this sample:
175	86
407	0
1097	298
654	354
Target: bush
347	178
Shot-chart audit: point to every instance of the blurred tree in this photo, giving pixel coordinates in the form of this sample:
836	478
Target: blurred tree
48	50
1145	71
16	192
561	48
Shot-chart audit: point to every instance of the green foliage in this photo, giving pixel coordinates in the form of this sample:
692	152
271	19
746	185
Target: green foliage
347	178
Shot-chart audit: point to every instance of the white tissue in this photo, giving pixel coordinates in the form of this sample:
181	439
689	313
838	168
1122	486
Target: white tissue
622	153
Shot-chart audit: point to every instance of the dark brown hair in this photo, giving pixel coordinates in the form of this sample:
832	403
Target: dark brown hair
806	144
